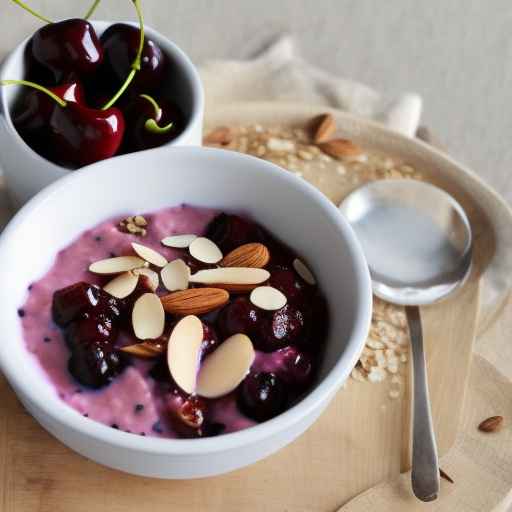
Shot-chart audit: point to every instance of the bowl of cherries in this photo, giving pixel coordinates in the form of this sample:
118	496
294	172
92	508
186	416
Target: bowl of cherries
78	91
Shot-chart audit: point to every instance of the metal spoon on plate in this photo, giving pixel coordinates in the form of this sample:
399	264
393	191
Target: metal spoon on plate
418	244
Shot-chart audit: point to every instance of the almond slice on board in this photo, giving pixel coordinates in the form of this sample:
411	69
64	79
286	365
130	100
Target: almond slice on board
175	275
152	276
184	351
268	298
248	255
122	285
116	265
205	250
304	271
340	148
178	241
150	255
226	367
324	128
148	317
231	275
194	301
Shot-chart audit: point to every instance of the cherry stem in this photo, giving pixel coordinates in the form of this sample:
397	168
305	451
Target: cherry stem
52	95
135	64
151	124
154	104
91	10
23	5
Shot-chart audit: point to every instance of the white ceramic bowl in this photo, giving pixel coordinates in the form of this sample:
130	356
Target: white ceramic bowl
290	207
27	172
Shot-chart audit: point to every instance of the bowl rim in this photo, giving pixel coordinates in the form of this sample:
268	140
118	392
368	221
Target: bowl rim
322	392
169	48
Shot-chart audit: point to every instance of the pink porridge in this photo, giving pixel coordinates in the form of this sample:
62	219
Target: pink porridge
106	363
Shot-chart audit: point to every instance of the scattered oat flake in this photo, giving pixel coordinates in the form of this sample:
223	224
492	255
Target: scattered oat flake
275	144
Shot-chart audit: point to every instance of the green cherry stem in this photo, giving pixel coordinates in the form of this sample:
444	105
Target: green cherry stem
151	124
135	64
52	95
91	10
23	5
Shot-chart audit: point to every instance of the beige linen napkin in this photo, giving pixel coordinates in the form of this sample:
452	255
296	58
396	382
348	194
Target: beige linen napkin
480	464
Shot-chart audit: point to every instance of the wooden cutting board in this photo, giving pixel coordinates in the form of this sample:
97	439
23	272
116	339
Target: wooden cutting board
361	439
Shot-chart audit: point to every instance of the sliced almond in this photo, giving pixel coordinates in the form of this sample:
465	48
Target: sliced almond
205	250
150	255
304	271
235	288
175	275
122	285
152	276
178	241
184	351
249	255
147	349
226	367
194	301
268	298
324	127
340	148
231	275
116	265
148	317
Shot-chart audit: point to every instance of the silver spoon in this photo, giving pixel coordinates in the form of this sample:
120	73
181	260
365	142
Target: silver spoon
418	244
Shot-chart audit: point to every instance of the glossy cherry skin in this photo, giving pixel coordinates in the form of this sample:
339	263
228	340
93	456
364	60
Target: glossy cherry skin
138	111
69	302
96	364
120	43
239	316
33	113
262	396
298	368
232	231
91	327
82	135
279	329
68	49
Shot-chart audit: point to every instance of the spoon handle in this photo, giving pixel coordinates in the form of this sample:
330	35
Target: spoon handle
425	468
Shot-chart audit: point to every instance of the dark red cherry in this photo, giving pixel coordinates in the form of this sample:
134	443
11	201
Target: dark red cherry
82	135
232	231
138	137
289	282
69	49
91	327
192	412
69	302
239	316
297	367
210	340
33	112
262	396
95	365
120	43
279	329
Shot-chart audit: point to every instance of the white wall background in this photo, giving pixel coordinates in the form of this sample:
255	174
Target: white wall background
456	53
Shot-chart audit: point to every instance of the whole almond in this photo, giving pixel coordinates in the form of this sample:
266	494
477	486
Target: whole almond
146	349
492	424
324	127
249	255
340	148
194	301
221	135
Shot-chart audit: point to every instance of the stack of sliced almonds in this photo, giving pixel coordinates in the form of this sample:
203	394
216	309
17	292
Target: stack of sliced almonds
220	373
240	271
